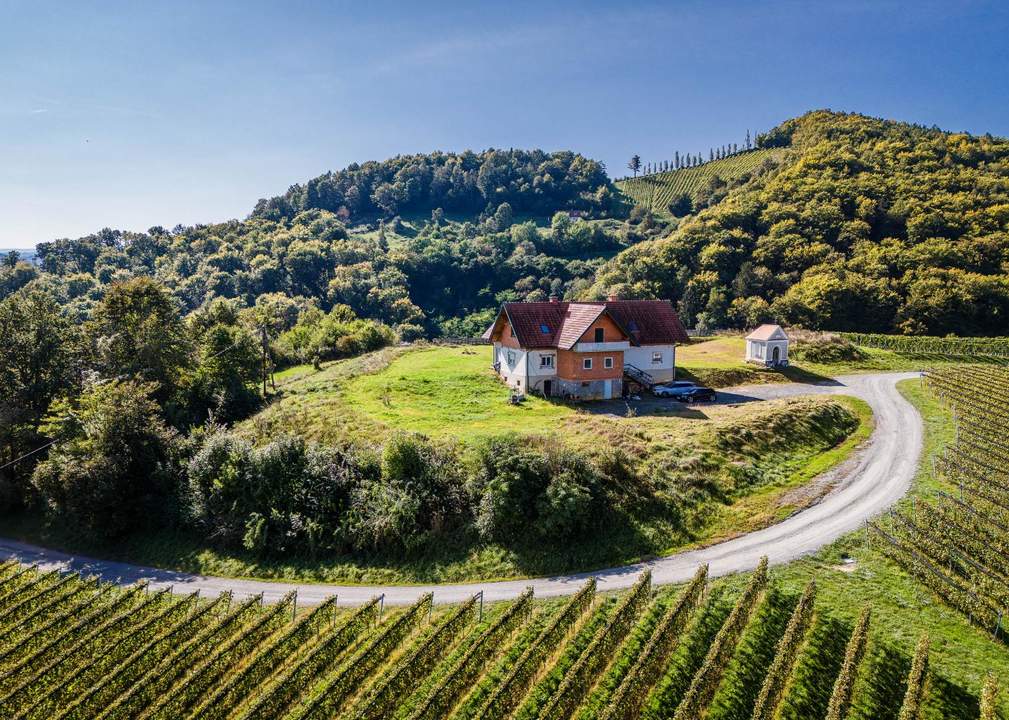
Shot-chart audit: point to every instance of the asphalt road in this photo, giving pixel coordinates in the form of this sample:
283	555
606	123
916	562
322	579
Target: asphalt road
871	480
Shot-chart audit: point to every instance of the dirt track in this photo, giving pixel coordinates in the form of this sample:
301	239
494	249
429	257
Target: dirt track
872	480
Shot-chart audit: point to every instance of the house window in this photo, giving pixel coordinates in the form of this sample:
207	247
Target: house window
546	361
511	358
600	334
656	358
587	364
608	363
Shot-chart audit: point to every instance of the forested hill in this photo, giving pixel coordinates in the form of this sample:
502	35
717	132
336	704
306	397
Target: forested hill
531	181
866	224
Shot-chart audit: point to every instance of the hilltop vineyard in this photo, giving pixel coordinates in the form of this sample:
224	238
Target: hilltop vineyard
659	190
965	347
958	543
74	649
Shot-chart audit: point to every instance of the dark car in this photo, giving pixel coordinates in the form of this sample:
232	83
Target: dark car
685	392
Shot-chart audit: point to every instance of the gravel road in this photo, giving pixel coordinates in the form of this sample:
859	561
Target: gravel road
871	481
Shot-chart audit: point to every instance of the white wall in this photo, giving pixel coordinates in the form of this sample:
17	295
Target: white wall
641	357
762	350
525	367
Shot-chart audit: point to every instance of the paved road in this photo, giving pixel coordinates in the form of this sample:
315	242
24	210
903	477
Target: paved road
871	481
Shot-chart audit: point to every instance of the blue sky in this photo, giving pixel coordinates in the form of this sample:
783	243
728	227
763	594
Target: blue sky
134	115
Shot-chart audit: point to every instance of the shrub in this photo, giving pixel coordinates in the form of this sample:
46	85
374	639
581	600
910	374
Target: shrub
285	497
111	469
520	487
419	494
824	348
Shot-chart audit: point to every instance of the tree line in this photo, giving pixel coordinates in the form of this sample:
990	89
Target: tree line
687	160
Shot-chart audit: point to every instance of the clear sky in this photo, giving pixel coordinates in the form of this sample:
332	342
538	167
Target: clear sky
131	116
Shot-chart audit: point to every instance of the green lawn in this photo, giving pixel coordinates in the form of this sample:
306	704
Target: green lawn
449	392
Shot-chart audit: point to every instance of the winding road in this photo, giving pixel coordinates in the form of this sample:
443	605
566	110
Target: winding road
867	483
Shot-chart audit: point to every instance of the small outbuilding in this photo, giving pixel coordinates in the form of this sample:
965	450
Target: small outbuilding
767	345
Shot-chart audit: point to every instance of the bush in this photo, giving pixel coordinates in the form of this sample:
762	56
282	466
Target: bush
420	494
824	348
521	487
330	337
286	497
111	469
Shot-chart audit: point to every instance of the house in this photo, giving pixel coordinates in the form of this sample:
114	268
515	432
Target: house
585	350
767	345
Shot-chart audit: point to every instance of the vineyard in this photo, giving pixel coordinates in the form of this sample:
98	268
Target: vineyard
659	190
71	648
962	347
958	543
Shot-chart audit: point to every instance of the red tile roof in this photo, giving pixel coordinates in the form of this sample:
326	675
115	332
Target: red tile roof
646	322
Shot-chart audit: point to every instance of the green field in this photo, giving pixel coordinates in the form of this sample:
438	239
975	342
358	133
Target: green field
449	392
657	191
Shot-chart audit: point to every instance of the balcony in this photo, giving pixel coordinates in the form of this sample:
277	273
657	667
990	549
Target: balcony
618	346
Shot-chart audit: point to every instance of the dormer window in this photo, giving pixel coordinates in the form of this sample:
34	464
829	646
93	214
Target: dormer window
544	329
600	334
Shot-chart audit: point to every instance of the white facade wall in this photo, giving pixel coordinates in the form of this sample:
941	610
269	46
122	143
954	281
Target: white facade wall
641	357
519	367
762	351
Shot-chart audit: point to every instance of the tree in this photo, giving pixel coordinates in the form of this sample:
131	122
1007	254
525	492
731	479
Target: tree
111	470
748	143
676	159
138	333
635	164
503	216
39	362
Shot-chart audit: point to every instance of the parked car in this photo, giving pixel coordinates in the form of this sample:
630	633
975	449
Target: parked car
671	388
685	392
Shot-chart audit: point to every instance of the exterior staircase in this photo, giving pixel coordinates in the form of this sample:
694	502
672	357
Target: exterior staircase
639	376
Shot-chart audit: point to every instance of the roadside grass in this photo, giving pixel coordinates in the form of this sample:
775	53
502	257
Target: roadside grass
795	490
718	362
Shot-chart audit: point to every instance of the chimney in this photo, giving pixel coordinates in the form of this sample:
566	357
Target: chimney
553	298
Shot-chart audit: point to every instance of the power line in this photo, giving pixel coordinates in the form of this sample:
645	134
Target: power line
27	454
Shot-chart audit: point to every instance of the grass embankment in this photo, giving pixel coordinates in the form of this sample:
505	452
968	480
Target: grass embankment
700	474
718	362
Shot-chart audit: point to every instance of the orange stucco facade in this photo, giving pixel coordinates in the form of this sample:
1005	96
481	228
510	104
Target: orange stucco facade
570	365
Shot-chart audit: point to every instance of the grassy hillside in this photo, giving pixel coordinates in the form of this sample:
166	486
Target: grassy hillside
658	190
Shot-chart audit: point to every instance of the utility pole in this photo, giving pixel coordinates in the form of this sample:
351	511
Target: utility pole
262	336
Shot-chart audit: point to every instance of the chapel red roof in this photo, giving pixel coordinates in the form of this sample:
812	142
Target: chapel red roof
561	324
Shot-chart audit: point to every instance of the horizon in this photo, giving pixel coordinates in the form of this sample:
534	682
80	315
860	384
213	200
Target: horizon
140	117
